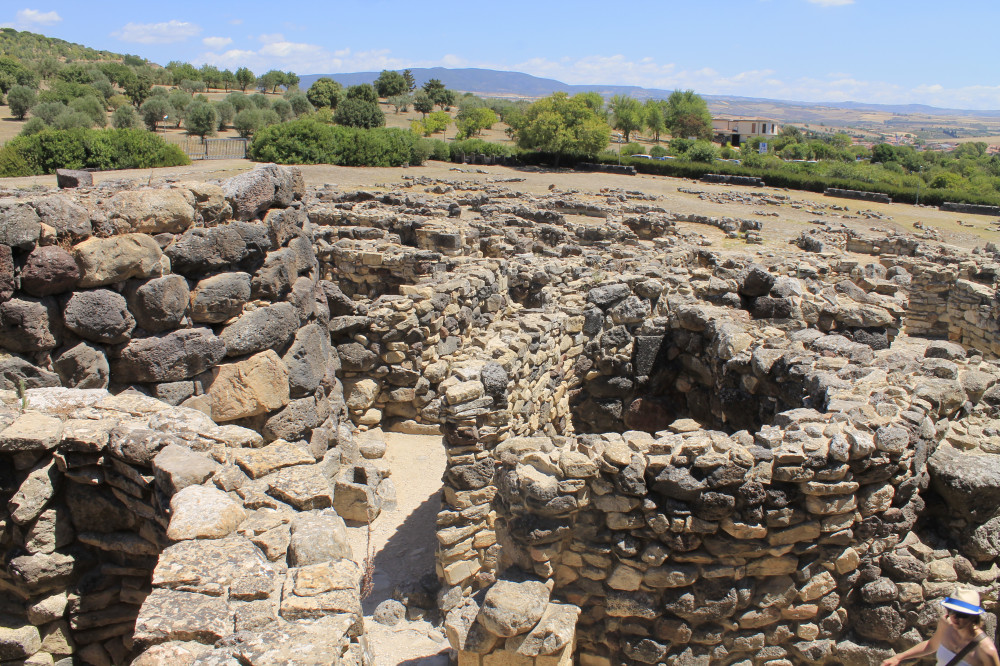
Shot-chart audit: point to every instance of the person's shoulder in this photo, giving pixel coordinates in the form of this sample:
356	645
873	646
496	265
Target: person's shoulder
987	647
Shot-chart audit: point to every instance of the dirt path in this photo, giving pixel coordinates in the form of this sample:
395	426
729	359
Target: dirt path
403	544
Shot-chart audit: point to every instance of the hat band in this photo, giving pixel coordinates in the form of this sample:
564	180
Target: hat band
962	606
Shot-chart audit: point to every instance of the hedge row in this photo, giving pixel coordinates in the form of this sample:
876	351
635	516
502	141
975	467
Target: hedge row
101	149
309	141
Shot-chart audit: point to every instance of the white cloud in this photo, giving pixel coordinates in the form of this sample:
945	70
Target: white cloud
216	43
36	17
831	3
158	33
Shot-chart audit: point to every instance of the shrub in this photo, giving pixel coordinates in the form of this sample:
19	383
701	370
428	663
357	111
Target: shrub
20	99
239	101
355	112
703	151
300	104
283	108
33	126
224	110
260	100
308	141
78	148
436	149
71	119
201	119
679	146
124	117
658	151
248	121
93	108
478	147
632	149
48	111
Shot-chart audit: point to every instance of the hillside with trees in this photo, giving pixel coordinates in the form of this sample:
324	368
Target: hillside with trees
80	107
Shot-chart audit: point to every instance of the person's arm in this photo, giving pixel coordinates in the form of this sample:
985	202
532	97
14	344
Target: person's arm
987	653
921	649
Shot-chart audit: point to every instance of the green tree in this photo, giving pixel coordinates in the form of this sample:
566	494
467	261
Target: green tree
48	111
124	117
703	151
21	99
475	121
355	112
211	75
249	121
363	92
562	125
390	83
225	111
239	101
626	114
324	93
283	108
423	103
656	118
260	101
138	89
271	80
189	86
300	104
411	83
688	116
244	78
442	96
200	119
93	108
291	80
401	102
228	80
154	111
594	101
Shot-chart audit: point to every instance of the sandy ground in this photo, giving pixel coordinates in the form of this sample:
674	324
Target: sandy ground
403	545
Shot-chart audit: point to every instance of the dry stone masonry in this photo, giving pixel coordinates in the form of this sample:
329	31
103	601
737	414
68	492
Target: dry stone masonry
657	451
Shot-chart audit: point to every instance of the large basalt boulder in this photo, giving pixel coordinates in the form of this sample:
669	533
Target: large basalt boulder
267	186
104	261
14	370
249	387
7	279
755	280
219	298
99	315
968	482
20	227
48	270
159	304
151	211
307	359
30	324
270	327
230	247
169	357
83	366
68	218
210	202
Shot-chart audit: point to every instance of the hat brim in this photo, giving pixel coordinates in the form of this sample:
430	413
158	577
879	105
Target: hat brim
960	606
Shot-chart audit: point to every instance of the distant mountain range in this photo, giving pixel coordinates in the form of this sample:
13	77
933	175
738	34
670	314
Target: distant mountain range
494	83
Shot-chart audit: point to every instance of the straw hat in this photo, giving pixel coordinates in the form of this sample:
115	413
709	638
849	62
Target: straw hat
964	601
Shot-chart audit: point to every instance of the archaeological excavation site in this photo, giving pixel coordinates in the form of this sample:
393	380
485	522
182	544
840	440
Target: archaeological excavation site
659	450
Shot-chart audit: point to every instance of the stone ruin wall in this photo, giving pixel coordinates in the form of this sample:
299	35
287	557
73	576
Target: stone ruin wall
771	517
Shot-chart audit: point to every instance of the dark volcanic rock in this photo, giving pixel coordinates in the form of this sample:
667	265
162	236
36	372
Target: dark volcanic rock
169	356
231	247
99	315
30	324
49	269
220	297
270	327
159	304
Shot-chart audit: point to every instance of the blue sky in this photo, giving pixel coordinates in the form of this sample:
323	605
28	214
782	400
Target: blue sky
881	51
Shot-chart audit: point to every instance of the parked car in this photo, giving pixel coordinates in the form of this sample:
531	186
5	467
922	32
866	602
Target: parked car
645	157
